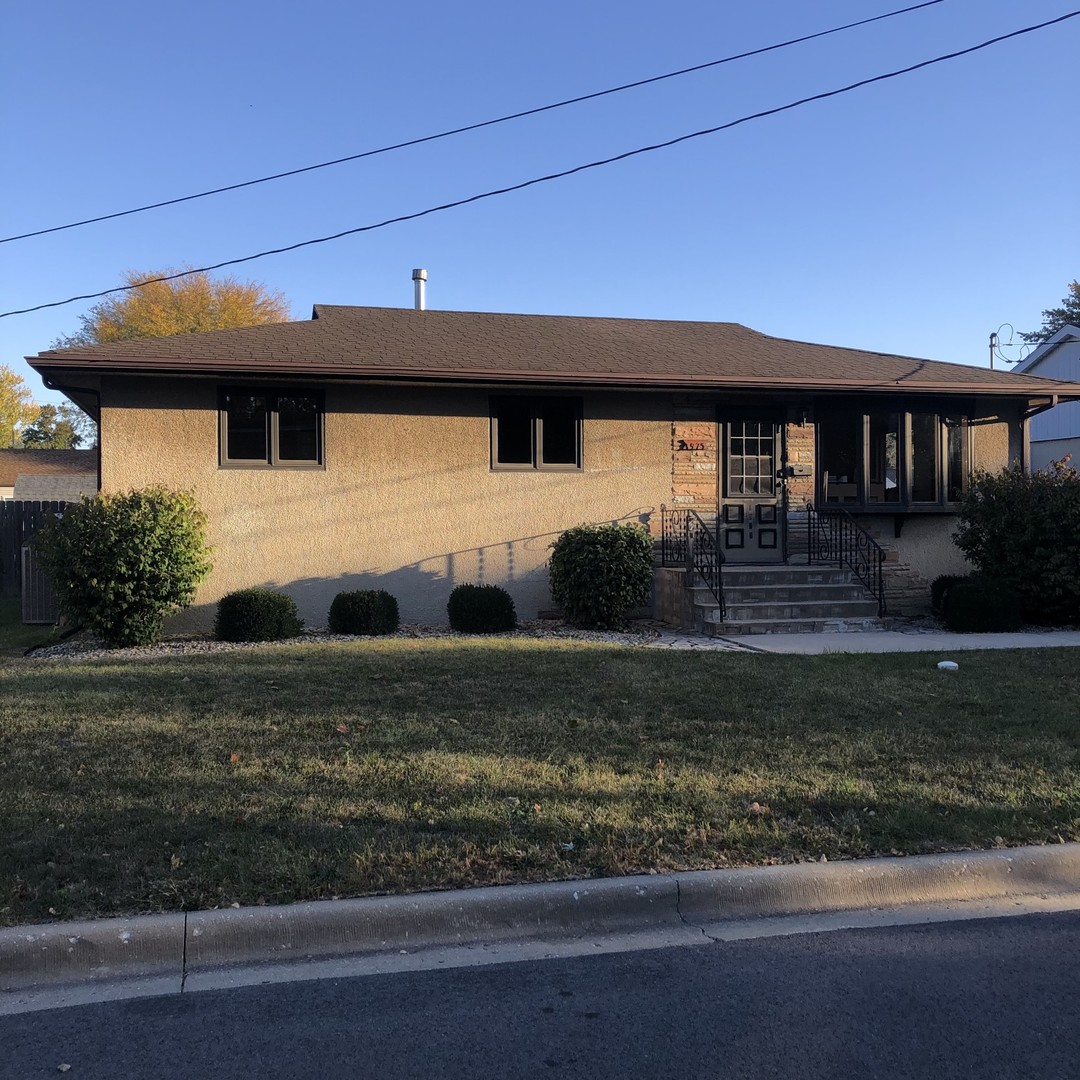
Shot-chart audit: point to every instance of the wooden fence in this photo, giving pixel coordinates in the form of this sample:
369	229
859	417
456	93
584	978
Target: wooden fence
18	523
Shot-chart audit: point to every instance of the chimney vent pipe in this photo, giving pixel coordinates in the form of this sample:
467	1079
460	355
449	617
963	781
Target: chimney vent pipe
419	279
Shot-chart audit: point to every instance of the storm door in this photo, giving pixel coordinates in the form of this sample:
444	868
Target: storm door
751	496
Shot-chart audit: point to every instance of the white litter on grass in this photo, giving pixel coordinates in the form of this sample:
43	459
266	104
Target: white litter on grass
948	665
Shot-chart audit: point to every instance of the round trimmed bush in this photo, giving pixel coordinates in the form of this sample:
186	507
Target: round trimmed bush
982	605
367	611
481	609
600	573
257	615
940	586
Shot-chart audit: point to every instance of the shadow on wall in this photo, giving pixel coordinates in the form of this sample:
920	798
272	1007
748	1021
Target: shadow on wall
422	588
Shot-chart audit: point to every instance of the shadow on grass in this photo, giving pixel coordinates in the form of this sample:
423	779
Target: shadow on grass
303	772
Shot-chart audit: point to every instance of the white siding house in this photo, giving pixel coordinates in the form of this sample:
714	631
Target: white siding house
1056	432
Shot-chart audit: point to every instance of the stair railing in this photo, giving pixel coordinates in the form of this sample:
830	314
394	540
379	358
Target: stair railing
688	540
835	537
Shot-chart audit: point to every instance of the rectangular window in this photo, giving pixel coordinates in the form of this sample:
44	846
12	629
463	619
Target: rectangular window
956	448
884	458
925	436
536	433
270	428
841	454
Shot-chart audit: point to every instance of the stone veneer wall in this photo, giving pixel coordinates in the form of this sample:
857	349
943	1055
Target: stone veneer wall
800	451
694	456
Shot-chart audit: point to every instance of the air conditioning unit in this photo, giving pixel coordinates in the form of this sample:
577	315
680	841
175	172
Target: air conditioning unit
38	599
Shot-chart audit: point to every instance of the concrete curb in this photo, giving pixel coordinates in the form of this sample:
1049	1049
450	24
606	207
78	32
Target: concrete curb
176	946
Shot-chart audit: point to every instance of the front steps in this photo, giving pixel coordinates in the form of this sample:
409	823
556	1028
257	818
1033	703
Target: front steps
786	599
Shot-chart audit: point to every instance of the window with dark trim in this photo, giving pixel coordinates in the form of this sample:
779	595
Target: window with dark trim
273	428
536	433
888	459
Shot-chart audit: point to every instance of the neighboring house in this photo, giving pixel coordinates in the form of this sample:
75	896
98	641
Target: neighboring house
414	450
28	465
1056	432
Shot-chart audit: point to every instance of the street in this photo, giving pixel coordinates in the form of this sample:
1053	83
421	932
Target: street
983	999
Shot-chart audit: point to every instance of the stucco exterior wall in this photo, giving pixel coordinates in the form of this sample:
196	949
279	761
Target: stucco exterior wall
407	501
997	441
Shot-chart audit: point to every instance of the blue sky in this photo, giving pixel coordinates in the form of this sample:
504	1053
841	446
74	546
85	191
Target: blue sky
913	216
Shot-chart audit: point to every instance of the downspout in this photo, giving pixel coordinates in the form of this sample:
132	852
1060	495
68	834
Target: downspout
50	385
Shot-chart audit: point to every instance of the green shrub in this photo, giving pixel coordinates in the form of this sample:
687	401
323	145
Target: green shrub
600	573
980	604
1025	532
120	564
940	586
370	611
481	609
256	615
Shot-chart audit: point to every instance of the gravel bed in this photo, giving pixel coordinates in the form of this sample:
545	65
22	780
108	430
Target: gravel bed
85	646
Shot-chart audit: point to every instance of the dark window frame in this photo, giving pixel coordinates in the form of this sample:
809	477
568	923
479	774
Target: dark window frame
944	419
272	459
536	421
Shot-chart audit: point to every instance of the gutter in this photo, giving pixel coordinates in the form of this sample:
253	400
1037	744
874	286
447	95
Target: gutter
622	380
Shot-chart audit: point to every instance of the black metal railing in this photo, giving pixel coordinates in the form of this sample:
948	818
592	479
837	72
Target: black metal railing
834	536
689	541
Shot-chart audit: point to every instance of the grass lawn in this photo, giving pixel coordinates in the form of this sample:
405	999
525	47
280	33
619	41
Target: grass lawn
15	638
299	772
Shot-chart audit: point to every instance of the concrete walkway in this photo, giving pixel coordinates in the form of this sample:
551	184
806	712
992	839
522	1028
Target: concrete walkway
870	641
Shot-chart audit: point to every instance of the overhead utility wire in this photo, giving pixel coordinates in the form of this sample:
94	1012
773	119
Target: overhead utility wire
551	176
467	127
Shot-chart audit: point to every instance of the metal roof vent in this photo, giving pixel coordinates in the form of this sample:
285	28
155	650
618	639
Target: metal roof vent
419	280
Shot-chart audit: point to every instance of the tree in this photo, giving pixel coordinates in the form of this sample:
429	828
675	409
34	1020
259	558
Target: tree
185	305
59	427
1055	318
16	404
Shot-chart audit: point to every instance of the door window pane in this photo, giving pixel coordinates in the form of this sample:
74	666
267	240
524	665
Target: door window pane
924	457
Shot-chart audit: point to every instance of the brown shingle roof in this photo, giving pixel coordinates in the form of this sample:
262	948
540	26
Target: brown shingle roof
15	463
401	343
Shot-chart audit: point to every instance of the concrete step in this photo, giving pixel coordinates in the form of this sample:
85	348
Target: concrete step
850	609
718	628
829	592
785	575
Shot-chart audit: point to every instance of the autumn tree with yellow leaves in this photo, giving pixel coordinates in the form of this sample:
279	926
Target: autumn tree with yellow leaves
185	305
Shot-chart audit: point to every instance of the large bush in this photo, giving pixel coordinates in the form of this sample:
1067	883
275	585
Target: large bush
481	609
600	573
974	605
1024	531
257	615
367	611
120	564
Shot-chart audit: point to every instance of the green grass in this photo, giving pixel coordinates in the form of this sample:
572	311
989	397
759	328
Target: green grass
300	772
15	638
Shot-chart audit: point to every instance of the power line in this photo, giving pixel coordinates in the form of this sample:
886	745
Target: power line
554	176
468	127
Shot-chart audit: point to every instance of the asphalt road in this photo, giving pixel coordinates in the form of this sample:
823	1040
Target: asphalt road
982	999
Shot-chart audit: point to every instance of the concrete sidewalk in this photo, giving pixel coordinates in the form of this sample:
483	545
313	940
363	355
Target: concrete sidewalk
870	641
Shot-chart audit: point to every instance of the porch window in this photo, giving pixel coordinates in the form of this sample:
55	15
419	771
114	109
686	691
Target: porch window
893	459
270	428
536	433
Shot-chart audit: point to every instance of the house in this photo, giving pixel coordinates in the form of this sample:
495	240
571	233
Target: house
413	450
28	474
1055	432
